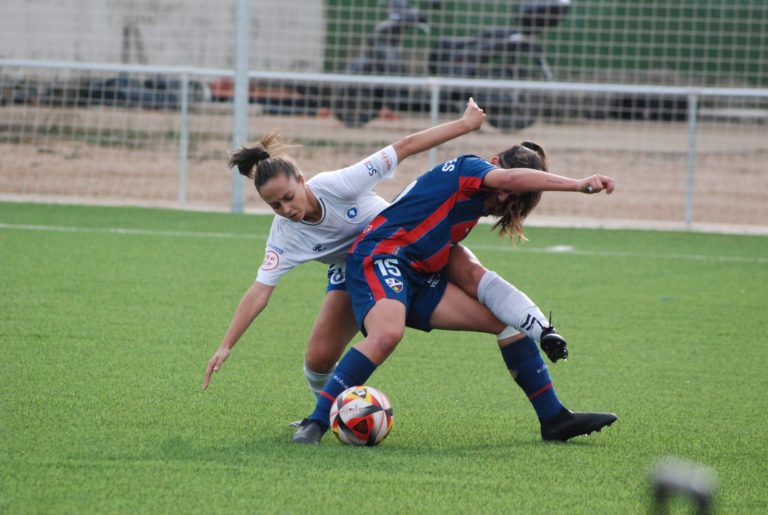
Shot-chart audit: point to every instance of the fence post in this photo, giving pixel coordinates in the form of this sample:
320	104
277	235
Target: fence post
434	113
693	101
240	105
183	138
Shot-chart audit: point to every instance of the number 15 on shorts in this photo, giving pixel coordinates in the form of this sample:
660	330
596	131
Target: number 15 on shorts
388	267
389	271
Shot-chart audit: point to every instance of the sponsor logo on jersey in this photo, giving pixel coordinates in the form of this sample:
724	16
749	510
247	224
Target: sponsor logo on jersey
351	213
271	260
395	284
319	247
387	160
370	167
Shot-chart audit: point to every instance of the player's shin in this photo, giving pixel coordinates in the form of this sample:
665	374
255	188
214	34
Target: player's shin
354	369
530	373
316	380
510	305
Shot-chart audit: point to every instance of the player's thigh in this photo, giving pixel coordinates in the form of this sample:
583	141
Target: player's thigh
371	279
385	326
457	311
333	329
464	270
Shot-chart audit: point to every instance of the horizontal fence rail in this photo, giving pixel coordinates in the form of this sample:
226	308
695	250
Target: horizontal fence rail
341	78
690	100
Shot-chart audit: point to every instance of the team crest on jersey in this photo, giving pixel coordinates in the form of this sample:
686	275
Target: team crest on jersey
351	213
395	284
271	260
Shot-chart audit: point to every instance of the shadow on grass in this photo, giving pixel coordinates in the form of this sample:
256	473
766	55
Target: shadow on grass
277	450
273	459
279	447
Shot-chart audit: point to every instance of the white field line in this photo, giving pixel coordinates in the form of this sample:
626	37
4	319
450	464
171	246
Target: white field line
599	253
535	220
133	232
558	249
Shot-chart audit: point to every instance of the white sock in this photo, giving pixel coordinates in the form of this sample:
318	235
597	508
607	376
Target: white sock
510	305
316	380
508	332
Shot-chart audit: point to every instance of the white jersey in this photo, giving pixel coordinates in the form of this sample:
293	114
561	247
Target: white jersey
348	205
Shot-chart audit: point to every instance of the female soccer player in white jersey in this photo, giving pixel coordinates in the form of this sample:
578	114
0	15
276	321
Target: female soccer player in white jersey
319	219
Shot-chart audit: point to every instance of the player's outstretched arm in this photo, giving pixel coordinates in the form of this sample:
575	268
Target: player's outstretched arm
253	302
471	120
521	180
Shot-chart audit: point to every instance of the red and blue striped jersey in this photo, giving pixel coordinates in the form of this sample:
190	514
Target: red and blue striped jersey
434	212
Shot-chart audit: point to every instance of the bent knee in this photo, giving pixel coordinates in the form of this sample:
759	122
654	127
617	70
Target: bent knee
495	326
322	364
385	340
322	356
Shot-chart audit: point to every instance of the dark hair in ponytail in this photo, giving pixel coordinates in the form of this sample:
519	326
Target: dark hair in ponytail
264	160
514	210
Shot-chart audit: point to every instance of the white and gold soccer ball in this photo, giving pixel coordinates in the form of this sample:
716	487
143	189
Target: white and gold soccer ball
361	415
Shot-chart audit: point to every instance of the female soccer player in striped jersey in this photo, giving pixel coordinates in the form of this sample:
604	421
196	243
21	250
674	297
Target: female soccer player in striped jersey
394	276
318	219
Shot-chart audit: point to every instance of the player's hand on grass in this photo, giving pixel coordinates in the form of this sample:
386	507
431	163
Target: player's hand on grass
473	115
214	364
596	184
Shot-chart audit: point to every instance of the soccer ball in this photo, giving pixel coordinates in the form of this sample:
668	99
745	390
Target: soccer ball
361	415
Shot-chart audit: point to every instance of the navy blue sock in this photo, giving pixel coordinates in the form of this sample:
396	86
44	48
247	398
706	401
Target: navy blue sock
354	369
530	372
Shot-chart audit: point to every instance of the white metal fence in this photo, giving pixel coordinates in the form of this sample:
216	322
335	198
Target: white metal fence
674	115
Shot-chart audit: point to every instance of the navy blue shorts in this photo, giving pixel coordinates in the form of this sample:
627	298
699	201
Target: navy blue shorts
372	278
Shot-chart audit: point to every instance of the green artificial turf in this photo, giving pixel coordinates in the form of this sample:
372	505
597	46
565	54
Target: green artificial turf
108	317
